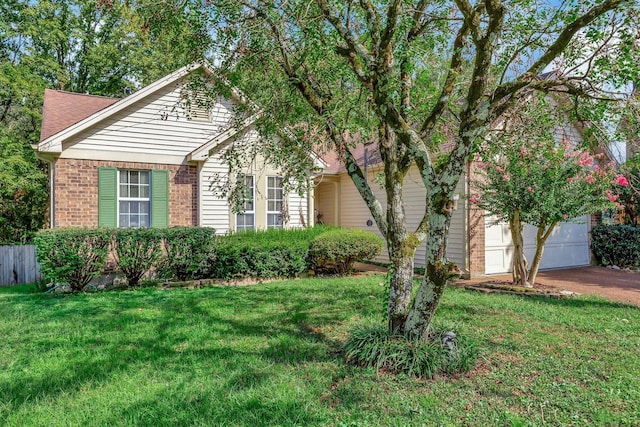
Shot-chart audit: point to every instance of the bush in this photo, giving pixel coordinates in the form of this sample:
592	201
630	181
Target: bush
72	255
337	250
188	253
616	245
264	254
137	250
442	352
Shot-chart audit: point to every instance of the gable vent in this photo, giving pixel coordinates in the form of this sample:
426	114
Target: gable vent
198	107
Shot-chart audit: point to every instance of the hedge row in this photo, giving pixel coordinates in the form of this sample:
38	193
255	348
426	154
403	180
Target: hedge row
75	256
616	245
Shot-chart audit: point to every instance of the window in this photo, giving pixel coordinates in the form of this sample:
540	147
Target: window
133	199
275	202
246	219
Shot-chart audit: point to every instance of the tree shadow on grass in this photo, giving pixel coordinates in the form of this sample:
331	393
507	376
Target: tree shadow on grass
98	338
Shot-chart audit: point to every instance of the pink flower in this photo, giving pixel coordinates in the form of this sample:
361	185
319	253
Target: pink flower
506	177
481	165
499	169
530	189
584	159
565	216
524	151
572	179
589	179
474	199
621	180
610	196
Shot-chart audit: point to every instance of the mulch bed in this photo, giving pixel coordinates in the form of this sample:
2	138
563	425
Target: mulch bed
507	287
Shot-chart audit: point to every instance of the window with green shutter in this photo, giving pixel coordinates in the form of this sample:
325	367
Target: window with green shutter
108	197
133	198
159	198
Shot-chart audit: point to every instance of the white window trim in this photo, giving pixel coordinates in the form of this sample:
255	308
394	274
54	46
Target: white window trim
253	211
283	200
131	199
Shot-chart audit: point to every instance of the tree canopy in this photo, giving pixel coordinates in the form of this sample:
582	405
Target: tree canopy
85	46
408	76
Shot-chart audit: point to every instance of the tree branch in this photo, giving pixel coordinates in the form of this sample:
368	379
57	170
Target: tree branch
563	40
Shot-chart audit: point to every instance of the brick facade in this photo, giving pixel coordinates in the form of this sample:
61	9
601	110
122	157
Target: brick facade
76	191
475	232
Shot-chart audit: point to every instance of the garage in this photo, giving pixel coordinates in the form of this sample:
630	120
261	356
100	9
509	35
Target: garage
568	246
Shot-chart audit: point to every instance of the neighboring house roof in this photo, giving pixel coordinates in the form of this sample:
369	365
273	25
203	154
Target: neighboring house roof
62	109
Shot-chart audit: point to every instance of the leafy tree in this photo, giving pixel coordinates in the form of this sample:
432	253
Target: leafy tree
527	176
86	46
405	76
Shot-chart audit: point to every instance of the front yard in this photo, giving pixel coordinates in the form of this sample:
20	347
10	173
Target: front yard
270	355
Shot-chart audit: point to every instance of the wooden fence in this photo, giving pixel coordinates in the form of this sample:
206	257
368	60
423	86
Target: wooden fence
18	265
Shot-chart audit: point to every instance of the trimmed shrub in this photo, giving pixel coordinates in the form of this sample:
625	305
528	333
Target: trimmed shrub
72	255
188	253
337	250
264	254
616	245
442	352
137	250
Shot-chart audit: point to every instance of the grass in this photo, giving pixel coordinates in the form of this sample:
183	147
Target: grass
270	355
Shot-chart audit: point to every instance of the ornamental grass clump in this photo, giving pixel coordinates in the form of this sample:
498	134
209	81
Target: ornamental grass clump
443	352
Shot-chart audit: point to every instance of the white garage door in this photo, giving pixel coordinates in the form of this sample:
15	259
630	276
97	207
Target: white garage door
568	246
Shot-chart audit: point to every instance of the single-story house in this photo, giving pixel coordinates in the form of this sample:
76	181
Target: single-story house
150	159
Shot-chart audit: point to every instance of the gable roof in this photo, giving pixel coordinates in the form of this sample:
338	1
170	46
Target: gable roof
62	109
53	142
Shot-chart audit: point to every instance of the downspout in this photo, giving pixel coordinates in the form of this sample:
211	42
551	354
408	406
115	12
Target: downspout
467	219
52	193
311	220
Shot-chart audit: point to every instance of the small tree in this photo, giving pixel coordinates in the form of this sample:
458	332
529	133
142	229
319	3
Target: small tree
531	178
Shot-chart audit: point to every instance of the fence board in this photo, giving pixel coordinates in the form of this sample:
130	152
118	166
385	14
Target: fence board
18	265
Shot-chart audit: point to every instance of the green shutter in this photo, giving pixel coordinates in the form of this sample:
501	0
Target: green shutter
159	198
107	197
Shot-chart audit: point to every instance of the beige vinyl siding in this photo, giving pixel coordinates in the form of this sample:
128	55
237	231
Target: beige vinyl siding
156	124
354	213
298	212
327	193
214	211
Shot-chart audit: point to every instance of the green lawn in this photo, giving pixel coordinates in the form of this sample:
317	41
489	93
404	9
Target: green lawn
270	355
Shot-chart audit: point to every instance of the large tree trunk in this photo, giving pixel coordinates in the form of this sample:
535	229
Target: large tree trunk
401	244
541	239
437	272
520	267
400	288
